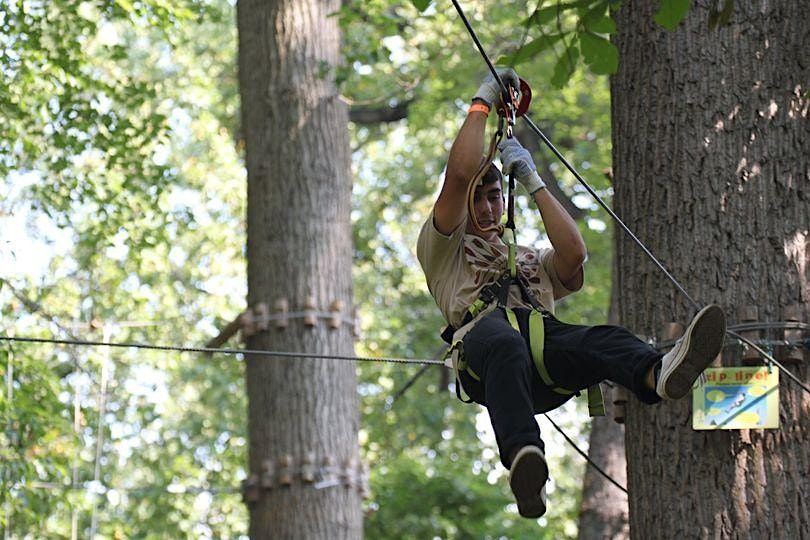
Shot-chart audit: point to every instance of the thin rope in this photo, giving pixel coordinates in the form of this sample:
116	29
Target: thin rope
613	214
481	48
584	455
282	354
770	358
226	351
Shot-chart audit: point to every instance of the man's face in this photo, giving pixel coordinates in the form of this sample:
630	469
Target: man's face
488	203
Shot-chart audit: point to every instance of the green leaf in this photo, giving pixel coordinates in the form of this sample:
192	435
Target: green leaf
421	5
542	16
671	13
126	5
601	25
564	67
718	18
534	47
600	54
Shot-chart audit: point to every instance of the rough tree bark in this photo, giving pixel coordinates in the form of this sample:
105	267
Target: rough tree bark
711	156
603	512
299	249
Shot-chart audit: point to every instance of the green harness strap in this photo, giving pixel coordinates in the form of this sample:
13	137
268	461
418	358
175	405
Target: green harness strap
596	404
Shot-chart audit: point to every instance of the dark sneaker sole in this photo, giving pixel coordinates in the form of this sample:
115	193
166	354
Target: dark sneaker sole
527	478
703	341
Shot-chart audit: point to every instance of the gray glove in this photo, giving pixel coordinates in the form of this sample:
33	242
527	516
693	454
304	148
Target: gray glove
489	90
518	160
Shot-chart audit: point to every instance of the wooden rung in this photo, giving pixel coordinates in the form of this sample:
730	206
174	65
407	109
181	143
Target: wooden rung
248	323
285	472
250	489
671	330
308	468
268	478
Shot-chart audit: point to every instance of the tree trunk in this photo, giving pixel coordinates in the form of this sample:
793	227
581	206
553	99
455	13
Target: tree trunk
298	249
603	512
711	156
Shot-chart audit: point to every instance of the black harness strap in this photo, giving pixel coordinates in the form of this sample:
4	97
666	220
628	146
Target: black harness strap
496	291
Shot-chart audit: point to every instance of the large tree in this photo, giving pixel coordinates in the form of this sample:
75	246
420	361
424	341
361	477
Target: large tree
711	160
298	248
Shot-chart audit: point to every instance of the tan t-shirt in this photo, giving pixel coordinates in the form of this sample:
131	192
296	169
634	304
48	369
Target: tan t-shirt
458	266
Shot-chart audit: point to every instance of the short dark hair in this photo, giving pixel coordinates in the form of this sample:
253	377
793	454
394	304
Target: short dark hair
492	175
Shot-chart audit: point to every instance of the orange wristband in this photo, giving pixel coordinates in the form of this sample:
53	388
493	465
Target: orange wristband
478	107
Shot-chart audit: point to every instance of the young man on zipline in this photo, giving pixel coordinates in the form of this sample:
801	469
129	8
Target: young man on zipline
509	352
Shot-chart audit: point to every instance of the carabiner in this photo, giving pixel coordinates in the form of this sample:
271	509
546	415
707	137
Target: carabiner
516	104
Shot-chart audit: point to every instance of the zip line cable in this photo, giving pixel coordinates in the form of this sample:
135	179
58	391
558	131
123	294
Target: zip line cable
226	351
599	200
426	363
609	210
770	358
282	354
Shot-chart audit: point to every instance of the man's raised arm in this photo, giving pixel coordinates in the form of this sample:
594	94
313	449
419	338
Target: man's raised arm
562	231
466	154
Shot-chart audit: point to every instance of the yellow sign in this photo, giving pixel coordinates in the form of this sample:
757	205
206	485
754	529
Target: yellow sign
737	398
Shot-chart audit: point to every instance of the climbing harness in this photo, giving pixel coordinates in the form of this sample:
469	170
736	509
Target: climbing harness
490	300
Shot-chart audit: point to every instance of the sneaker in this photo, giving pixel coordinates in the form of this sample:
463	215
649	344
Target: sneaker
527	478
692	353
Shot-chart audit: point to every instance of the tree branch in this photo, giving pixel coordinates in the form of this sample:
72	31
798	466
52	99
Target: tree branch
366	115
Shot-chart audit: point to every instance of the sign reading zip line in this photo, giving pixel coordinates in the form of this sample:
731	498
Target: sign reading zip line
737	398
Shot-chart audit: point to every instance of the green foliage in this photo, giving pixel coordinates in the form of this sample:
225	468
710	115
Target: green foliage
77	113
421	5
720	16
599	53
564	30
154	206
671	13
160	239
36	442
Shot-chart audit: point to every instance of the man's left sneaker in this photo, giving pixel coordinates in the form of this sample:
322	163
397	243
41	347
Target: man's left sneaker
527	478
693	352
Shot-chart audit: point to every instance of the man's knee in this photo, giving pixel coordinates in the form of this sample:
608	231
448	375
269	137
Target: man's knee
509	343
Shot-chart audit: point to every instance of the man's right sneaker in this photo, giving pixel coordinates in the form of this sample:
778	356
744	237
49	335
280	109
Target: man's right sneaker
693	352
527	478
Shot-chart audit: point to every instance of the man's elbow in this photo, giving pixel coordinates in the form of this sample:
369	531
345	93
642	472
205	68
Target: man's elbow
577	256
